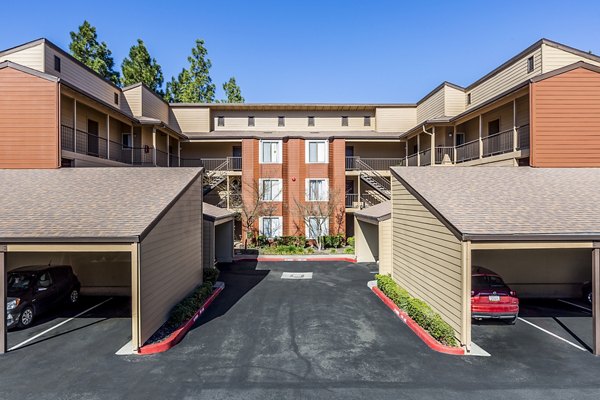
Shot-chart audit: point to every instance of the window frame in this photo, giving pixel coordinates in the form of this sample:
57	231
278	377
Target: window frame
307	227
367	120
307	151
345	120
311	120
307	190
116	98
279	195
123	135
261	151
530	64
469	100
261	226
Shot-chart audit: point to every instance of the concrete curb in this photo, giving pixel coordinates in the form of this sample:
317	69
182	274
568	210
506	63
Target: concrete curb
268	258
176	337
420	332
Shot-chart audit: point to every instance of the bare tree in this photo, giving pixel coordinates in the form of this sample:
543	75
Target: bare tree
316	216
256	204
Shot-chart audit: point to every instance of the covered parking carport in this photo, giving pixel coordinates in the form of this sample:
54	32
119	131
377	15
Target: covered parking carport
373	234
149	217
539	228
218	235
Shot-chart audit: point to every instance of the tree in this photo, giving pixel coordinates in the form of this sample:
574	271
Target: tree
193	84
318	215
140	67
253	207
232	92
85	47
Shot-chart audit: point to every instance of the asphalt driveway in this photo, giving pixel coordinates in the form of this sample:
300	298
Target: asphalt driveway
326	337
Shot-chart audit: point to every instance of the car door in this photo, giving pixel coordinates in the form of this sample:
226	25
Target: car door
45	295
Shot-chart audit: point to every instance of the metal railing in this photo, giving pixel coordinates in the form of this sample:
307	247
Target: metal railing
378	164
210	164
425	157
142	156
173	160
412	160
498	143
523	137
191	162
467	151
442	151
67	138
162	158
354	200
234	163
120	153
91	145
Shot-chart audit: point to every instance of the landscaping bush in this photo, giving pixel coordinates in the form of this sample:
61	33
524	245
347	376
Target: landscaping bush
262	241
349	250
210	275
418	310
350	241
299	241
186	308
284	250
333	241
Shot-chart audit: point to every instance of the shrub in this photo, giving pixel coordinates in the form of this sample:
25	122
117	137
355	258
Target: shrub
186	308
333	251
284	250
349	250
333	241
210	275
418	310
299	241
310	250
350	241
262	240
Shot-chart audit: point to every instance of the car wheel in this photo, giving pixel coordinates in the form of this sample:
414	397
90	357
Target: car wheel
589	297
74	296
512	321
26	317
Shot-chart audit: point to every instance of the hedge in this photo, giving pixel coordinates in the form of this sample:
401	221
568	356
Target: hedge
418	310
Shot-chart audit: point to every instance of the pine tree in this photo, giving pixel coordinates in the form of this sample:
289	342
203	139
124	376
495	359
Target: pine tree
140	67
85	47
232	92
193	84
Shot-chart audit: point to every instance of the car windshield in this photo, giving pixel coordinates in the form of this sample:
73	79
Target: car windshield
496	281
486	281
479	281
19	281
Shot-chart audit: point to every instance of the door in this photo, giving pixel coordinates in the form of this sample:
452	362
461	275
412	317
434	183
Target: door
350	158
92	138
236	161
349	194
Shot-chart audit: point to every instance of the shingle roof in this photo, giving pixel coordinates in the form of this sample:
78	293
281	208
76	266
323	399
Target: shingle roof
511	203
86	204
377	213
214	213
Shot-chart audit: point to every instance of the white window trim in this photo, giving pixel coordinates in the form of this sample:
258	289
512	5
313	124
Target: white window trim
279	151
307	151
307	229
261	229
306	188
279	196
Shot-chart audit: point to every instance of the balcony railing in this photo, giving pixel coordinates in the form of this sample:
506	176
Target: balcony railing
498	143
162	158
425	157
441	152
212	164
234	163
412	160
523	137
173	160
467	151
378	164
354	200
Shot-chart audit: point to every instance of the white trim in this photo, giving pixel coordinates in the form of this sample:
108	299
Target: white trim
279	151
278	197
307	185
279	228
307	151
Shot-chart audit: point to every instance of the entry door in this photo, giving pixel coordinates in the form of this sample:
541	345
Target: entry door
349	151
349	190
237	151
92	147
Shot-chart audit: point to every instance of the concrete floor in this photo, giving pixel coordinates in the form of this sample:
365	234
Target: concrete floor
326	337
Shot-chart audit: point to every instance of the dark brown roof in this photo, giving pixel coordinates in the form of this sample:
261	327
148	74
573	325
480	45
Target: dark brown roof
216	214
87	204
375	214
510	203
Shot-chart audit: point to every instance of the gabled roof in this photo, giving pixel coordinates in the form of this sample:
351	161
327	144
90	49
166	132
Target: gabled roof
27	70
216	214
88	204
509	203
375	214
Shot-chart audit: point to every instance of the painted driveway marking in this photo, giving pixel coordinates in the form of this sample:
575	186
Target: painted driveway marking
552	334
296	275
575	305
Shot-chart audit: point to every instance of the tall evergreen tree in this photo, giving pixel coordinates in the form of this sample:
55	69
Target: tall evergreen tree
85	47
193	84
140	67
232	92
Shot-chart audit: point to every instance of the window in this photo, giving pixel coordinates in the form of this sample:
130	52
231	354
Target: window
493	127
220	121
250	121
344	121
367	121
280	121
127	140
44	281
311	121
317	151
117	98
468	98
57	63
316	227
270	152
530	64
317	190
270	189
270	227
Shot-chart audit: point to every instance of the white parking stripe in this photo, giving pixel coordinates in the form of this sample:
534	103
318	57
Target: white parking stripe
57	325
575	305
552	334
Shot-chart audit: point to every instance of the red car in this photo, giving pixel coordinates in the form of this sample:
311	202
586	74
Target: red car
491	297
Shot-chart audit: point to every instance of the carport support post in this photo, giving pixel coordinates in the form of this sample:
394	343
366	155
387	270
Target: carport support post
596	297
3	298
135	296
466	296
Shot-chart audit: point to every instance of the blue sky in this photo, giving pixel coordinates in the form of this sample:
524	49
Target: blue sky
319	51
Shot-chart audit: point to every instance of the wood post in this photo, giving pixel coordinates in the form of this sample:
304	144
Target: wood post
515	136
480	136
107	137
154	146
596	300
454	145
432	147
466	296
418	150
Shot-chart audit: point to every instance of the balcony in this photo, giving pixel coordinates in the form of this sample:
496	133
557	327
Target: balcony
498	143
214	164
378	164
360	201
425	157
467	151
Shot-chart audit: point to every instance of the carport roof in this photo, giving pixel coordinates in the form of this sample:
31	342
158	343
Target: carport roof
510	203
375	214
214	213
87	204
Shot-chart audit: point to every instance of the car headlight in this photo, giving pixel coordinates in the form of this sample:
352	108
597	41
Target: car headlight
11	305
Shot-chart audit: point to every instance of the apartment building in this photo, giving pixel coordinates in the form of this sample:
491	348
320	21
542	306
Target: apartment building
539	108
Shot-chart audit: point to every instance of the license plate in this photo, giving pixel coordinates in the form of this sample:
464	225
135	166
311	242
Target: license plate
494	298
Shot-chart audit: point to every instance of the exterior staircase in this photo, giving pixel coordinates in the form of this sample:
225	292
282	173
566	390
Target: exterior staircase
374	179
214	177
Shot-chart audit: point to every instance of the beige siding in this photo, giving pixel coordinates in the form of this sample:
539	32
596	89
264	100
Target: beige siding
207	150
427	257
191	119
455	101
171	260
294	121
153	106
83	80
505	79
366	241
395	119
432	107
32	57
134	100
553	58
377	149
385	247
208	244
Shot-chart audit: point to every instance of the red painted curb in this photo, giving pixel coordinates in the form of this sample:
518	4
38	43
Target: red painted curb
175	337
416	328
283	258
